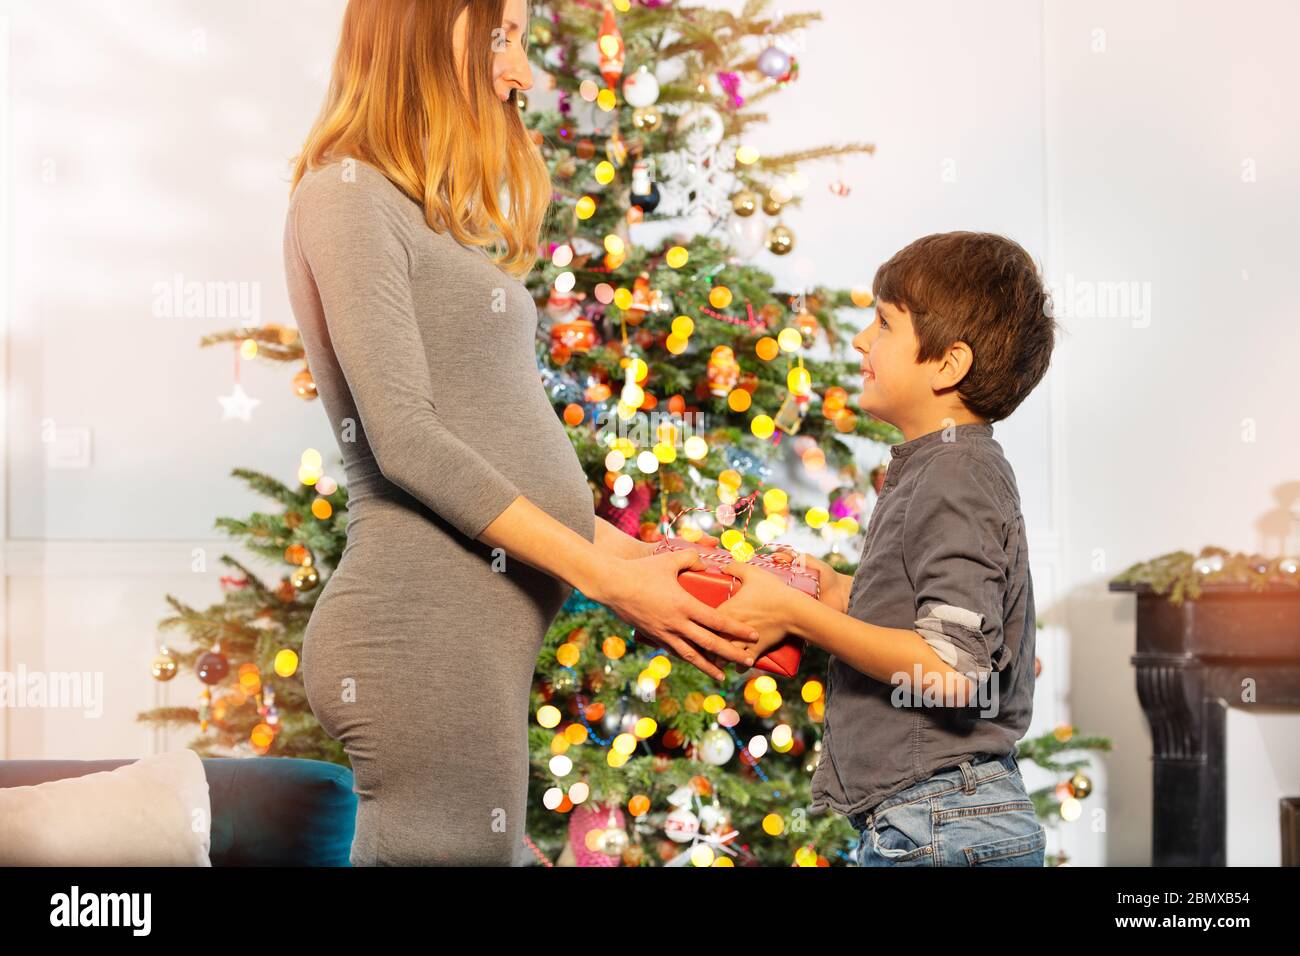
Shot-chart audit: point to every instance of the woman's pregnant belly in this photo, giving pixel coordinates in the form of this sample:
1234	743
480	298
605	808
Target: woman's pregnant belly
415	608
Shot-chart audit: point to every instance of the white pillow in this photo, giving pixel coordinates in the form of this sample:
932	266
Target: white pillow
154	812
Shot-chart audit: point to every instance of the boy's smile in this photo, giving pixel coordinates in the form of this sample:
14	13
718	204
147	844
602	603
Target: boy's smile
916	397
889	370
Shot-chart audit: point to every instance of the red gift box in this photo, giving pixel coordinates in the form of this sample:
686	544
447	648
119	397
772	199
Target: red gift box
714	586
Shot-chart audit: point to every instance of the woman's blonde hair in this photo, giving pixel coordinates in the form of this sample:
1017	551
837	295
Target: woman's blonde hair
396	103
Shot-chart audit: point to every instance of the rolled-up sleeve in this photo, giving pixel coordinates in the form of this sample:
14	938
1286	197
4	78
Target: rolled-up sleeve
354	247
954	544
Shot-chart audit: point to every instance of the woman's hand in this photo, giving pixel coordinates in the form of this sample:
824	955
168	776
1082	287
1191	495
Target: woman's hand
645	593
764	602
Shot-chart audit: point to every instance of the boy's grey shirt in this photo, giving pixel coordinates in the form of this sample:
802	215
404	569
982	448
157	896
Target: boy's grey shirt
946	556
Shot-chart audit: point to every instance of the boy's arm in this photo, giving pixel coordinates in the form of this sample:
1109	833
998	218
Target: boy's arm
777	611
954	553
879	652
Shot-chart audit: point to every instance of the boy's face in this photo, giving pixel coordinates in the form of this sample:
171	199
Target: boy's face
894	386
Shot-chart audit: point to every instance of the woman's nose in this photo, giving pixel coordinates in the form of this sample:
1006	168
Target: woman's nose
520	72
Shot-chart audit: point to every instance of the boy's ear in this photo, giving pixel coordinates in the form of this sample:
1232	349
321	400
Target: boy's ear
954	365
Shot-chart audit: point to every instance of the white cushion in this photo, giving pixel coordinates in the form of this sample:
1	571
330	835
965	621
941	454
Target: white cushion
154	812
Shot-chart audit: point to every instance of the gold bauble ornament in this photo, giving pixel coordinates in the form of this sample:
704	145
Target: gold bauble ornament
770	205
164	666
744	203
647	118
1080	785
780	240
305	578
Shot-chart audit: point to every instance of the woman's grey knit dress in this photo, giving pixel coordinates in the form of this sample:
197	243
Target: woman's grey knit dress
419	654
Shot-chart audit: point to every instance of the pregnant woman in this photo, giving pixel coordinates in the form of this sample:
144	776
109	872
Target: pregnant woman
470	518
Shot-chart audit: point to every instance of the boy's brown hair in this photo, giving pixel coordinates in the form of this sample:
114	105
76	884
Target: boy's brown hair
984	290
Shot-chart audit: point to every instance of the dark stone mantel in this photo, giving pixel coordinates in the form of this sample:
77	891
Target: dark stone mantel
1229	647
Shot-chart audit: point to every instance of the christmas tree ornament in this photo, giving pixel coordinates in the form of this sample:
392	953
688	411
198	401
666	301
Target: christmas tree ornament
716	747
839	187
644	299
729	84
613	842
641	89
702	127
780	240
774	62
789	416
1080	785
163	667
305	578
722	371
212	666
771	206
609	44
238	404
563	306
713	819
681	825
747	235
807	324
304	386
647	119
645	194
579	335
616	148
745	202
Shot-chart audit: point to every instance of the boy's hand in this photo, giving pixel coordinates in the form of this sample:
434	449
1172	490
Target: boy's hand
833	587
764	602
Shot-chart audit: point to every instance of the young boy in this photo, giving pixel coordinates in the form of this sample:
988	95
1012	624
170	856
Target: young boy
931	675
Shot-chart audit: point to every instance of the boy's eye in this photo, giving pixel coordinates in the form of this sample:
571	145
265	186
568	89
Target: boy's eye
883	323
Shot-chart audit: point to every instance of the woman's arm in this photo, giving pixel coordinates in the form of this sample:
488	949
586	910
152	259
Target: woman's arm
644	591
353	241
619	543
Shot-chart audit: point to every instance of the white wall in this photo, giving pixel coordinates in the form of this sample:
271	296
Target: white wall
151	139
1146	146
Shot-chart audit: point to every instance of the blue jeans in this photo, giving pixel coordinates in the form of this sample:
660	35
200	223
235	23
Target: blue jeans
976	813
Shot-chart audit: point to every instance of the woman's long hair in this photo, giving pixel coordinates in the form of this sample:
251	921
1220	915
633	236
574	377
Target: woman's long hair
395	102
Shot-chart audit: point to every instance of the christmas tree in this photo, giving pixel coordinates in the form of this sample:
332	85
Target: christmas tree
692	389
